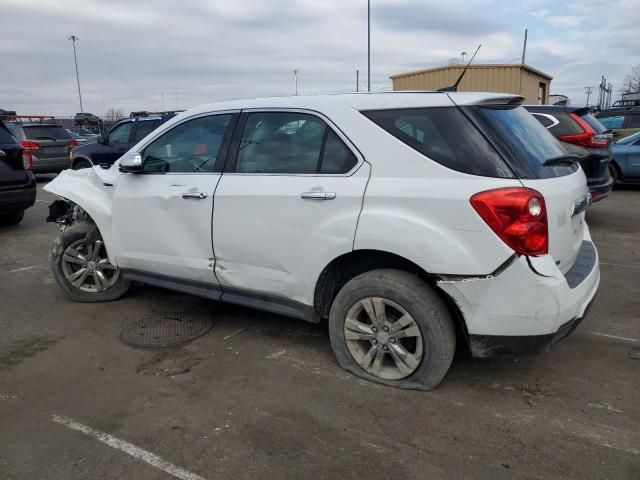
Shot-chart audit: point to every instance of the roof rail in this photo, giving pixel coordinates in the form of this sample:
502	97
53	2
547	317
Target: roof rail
26	118
144	113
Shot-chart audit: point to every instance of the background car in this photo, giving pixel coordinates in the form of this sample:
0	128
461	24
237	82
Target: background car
17	185
121	137
86	134
625	166
581	134
76	137
621	121
46	145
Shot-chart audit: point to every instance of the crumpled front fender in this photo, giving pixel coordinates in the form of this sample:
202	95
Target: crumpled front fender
92	190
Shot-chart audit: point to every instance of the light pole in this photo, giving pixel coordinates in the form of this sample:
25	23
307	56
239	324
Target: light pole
73	39
368	45
588	91
295	74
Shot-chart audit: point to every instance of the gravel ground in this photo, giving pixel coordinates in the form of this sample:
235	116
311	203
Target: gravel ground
261	396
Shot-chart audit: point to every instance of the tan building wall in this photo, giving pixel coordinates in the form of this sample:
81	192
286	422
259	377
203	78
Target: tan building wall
518	79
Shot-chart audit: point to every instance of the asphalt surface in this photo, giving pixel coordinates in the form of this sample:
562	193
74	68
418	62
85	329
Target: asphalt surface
261	396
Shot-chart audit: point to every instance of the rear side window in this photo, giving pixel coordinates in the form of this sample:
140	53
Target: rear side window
612	122
5	137
144	128
445	135
291	143
45	132
546	120
634	121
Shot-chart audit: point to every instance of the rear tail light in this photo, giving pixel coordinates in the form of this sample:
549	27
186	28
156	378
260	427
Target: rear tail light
518	216
588	137
27	154
72	143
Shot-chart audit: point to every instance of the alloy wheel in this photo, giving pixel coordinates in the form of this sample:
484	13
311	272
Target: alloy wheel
86	267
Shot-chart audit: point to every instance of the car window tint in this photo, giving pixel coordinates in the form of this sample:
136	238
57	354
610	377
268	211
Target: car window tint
612	122
280	142
445	135
545	119
190	147
45	132
6	137
336	158
634	121
144	128
121	134
594	123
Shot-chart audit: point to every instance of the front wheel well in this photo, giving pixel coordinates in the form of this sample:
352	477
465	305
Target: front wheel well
350	265
76	160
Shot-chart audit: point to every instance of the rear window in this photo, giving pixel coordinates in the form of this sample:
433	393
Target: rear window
445	135
594	123
525	141
45	132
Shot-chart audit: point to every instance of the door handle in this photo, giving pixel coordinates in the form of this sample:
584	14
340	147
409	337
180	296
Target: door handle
195	195
318	195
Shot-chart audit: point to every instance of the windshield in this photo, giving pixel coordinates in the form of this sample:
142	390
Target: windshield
526	142
45	132
630	138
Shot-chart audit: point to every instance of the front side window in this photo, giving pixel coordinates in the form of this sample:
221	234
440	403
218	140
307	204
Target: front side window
121	134
189	147
291	143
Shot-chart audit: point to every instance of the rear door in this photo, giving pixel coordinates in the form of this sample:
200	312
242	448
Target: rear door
527	144
287	204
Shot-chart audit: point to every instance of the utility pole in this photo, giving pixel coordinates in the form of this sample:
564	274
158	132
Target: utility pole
588	90
295	74
73	39
357	81
368	45
524	46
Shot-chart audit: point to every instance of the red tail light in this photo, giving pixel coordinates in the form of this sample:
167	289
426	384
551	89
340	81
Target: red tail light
587	138
518	216
27	154
72	143
30	145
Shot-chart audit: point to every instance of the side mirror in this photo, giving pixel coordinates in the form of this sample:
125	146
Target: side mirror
131	162
102	140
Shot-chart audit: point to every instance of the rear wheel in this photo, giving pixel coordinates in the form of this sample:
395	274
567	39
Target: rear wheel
390	327
81	267
82	163
10	219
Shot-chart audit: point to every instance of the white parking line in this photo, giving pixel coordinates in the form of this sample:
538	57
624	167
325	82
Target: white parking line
128	448
626	339
24	269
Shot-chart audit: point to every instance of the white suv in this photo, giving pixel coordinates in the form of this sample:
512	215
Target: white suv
408	220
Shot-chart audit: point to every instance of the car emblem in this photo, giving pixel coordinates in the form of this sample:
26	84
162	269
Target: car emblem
581	204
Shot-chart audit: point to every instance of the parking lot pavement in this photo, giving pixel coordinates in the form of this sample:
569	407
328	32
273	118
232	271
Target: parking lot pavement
261	396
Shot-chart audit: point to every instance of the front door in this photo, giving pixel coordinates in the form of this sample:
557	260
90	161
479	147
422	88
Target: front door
162	217
287	204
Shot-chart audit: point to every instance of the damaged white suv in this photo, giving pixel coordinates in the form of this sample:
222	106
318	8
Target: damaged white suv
409	220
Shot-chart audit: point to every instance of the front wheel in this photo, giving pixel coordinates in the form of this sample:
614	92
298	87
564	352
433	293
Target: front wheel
613	170
11	219
390	327
81	267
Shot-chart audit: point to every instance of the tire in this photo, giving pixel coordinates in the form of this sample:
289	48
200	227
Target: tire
11	219
82	163
400	293
100	281
613	170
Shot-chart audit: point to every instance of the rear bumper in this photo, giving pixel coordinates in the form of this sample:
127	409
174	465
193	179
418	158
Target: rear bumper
528	307
600	188
50	165
19	198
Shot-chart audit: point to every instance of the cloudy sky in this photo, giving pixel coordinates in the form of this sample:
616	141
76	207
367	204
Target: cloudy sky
148	54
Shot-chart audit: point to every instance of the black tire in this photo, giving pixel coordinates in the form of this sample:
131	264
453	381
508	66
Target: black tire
11	219
615	174
82	163
417	298
78	232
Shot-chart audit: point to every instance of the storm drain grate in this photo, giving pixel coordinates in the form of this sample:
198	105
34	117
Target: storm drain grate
165	330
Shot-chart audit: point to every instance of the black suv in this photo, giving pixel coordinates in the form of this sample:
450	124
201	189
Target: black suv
123	135
17	185
583	135
623	121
